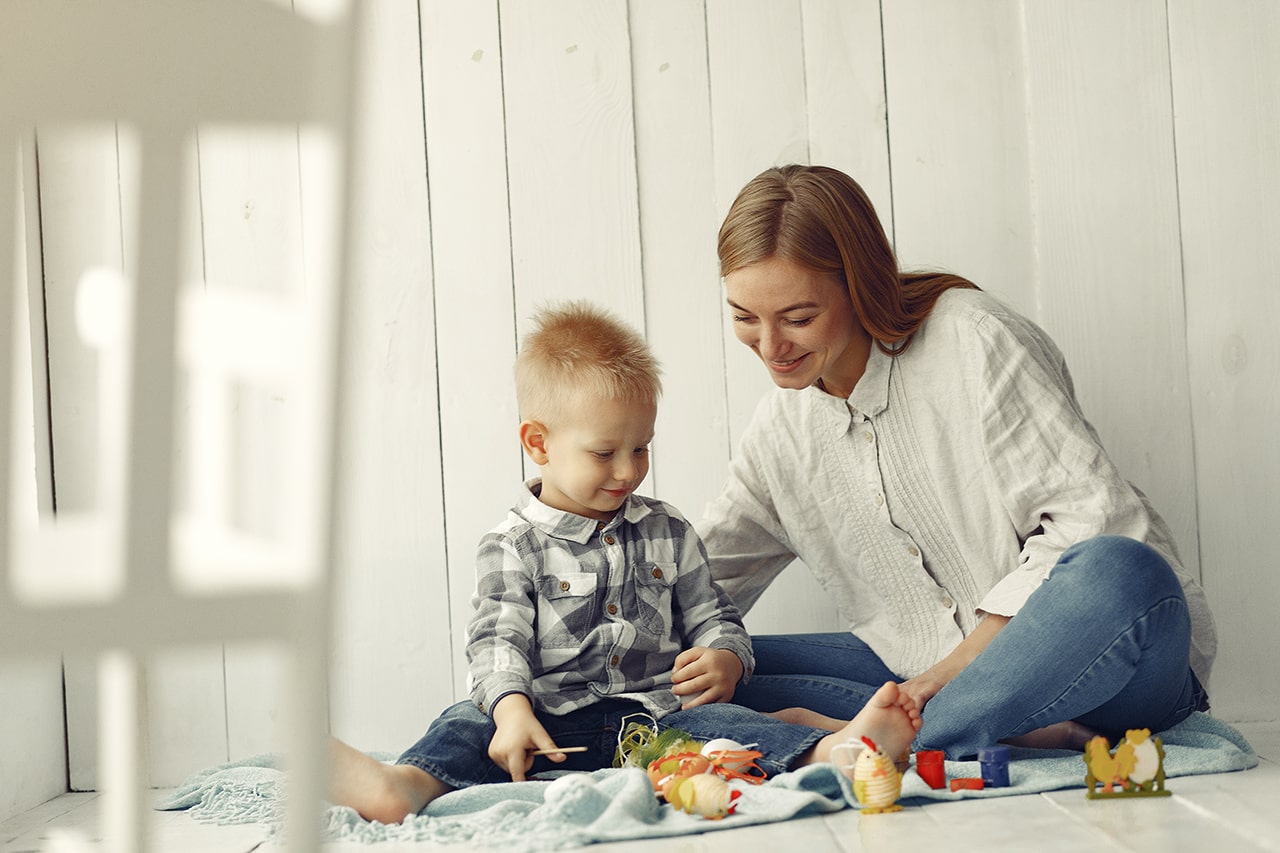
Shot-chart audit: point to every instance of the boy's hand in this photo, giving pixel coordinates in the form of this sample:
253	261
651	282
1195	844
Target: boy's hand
709	675
519	734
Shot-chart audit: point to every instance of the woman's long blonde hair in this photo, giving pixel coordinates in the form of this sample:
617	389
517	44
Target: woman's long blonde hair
820	218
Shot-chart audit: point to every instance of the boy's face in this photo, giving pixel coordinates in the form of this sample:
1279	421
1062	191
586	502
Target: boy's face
594	457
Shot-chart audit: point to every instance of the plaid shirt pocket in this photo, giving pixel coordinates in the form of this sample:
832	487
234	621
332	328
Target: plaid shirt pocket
654	581
566	608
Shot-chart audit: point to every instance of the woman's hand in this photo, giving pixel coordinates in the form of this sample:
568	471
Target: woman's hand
926	685
922	688
519	734
711	674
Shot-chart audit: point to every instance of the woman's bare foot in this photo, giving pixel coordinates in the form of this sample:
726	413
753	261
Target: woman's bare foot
890	719
382	792
1065	735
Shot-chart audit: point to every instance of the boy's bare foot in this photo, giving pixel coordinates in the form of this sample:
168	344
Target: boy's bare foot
382	792
889	718
1065	735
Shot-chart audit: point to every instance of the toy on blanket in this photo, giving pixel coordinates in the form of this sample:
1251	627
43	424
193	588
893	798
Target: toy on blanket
645	746
706	795
877	783
641	743
698	784
1136	768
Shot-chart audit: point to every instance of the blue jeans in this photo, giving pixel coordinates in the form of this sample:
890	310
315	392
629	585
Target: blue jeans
455	748
1105	641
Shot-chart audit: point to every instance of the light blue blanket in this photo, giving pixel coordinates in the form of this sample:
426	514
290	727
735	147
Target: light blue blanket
615	805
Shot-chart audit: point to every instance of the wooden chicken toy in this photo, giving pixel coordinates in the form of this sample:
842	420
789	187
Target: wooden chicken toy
1134	769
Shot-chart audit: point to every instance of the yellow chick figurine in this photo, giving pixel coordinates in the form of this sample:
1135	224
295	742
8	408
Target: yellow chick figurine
876	781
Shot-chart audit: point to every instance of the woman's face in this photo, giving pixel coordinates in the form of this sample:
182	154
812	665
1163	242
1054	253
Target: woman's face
801	324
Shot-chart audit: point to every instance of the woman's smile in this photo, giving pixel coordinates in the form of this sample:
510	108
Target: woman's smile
800	322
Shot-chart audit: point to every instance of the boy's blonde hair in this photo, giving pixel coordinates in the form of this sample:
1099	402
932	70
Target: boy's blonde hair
577	351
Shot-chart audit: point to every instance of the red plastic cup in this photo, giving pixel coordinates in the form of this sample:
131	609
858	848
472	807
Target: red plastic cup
930	768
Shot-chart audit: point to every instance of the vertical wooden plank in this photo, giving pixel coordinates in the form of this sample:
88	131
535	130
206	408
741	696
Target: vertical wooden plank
81	230
475	304
32	740
957	136
80	211
845	96
678	226
30	260
1109	271
1227	111
571	155
252	238
185	703
388	678
759	118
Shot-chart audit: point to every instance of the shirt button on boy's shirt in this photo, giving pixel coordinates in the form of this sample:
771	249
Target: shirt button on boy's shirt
657	573
613	609
614	660
609	540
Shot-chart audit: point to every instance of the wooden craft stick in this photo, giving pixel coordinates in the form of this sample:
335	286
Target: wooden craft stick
561	749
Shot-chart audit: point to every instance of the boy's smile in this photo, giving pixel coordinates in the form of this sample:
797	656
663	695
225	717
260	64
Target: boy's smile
594	457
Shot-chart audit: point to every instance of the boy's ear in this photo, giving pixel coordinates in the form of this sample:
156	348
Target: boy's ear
533	438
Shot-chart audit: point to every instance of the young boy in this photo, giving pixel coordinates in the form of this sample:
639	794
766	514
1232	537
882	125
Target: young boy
592	603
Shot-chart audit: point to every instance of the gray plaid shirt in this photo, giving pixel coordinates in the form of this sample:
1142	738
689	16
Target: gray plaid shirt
569	610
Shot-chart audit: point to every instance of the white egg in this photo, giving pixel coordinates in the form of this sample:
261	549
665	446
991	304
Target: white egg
721	744
724	744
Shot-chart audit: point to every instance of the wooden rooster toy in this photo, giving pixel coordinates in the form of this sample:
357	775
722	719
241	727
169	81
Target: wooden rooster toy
877	783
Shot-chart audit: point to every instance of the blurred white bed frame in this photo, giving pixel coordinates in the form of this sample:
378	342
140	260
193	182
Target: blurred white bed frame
149	568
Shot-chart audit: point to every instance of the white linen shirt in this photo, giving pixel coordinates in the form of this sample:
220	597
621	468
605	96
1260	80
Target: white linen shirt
945	487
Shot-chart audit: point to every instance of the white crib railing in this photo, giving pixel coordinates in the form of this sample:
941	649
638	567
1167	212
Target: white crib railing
161	559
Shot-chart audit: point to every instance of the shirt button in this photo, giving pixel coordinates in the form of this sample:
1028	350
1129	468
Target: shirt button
564	586
947	602
913	551
614	660
613	609
870	437
609	540
657	573
879	500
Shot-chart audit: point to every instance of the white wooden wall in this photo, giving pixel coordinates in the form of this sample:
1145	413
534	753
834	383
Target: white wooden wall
1111	169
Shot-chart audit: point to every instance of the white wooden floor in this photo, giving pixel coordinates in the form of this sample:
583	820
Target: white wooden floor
1230	811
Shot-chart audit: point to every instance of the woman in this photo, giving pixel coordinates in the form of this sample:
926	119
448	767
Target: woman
925	456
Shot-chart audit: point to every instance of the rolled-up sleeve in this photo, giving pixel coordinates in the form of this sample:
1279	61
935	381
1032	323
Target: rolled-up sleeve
707	614
1057	482
500	635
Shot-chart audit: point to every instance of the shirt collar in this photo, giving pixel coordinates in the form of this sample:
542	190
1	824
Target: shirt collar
869	398
871	395
567	525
